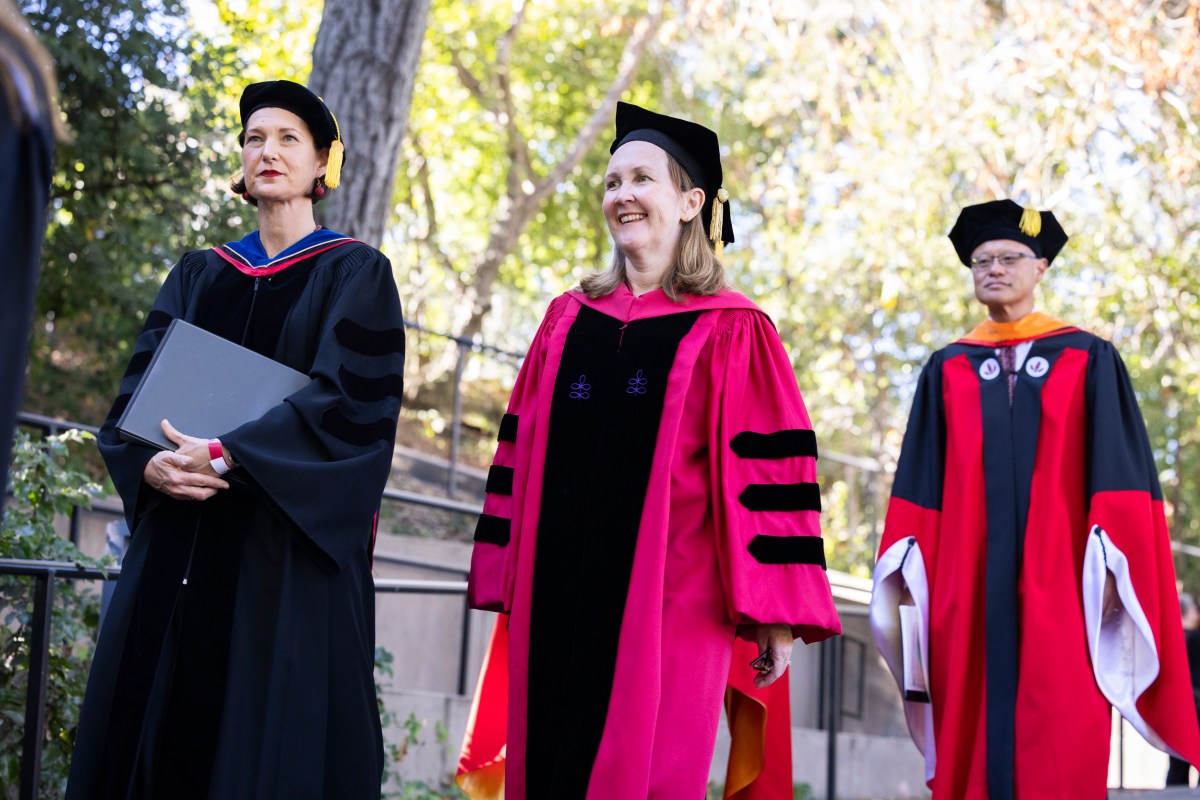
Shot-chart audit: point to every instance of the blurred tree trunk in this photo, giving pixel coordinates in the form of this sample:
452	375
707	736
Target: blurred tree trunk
365	65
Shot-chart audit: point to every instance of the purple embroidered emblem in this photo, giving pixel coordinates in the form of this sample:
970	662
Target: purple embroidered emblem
637	384
581	389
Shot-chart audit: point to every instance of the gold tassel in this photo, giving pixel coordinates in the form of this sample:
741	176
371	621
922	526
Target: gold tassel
717	226
1031	222
333	168
337	153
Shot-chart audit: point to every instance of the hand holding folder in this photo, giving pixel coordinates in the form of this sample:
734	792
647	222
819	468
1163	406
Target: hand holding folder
205	385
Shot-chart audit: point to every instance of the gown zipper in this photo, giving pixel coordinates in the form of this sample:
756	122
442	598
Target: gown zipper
250	314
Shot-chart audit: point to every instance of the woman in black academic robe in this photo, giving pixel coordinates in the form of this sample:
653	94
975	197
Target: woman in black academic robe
236	660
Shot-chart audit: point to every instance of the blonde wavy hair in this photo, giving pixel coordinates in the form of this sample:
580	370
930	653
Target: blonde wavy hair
696	269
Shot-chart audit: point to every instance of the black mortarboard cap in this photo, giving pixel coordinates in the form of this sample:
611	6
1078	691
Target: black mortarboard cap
1004	219
694	146
307	106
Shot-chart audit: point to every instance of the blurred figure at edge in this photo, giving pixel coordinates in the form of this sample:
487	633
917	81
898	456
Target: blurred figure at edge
30	123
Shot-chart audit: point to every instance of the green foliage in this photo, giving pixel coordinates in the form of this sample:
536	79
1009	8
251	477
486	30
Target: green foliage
409	730
142	180
46	483
393	751
460	161
852	134
847	169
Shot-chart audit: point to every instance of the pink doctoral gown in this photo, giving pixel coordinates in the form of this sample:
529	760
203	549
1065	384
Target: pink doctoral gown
653	489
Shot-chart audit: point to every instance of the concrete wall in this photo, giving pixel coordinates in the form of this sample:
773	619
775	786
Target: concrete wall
433	756
876	759
895	773
425	632
869	767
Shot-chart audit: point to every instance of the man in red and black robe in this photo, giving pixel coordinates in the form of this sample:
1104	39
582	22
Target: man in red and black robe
1026	530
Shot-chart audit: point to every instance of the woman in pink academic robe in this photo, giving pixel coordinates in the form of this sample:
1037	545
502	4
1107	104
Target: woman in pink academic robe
653	497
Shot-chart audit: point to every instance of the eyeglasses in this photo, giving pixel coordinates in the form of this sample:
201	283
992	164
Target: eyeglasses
1005	259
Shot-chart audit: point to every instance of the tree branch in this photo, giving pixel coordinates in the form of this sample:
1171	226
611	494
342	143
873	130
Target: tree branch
472	84
518	148
505	46
518	207
601	118
432	239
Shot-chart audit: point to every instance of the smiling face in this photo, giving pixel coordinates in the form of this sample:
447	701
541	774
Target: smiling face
643	205
1006	291
280	160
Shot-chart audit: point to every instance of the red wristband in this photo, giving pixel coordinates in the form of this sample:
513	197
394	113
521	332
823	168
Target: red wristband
216	455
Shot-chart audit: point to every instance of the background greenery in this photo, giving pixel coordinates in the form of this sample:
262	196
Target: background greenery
852	134
853	131
47	482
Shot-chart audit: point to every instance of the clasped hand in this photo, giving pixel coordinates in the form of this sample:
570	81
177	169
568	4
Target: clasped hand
184	474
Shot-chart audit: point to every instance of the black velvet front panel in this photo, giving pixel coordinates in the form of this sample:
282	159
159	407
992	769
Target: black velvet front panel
161	741
163	746
1010	438
604	421
250	310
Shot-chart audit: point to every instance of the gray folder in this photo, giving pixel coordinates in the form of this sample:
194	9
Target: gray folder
205	386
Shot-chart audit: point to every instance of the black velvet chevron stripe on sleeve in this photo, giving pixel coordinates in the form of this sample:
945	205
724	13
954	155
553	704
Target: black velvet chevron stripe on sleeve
780	444
369	342
500	480
356	433
158	318
508	428
138	362
119	405
370	390
493	530
781	497
788	550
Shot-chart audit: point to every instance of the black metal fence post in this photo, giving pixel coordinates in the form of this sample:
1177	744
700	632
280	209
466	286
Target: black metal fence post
831	652
460	364
464	647
38	676
1121	751
74	529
